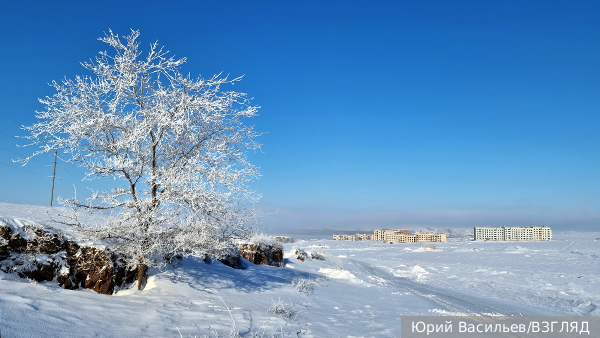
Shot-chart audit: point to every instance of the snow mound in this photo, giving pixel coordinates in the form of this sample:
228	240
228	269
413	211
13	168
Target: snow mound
339	274
516	250
416	272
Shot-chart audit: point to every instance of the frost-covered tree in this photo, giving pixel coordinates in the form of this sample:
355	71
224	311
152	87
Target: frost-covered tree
175	145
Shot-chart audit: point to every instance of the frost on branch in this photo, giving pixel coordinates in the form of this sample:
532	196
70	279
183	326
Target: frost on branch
175	146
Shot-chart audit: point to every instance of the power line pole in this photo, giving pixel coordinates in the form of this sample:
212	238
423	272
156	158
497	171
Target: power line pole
53	177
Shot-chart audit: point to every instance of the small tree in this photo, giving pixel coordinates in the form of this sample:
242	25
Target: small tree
176	145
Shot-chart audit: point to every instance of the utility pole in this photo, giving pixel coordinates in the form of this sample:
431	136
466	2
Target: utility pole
53	177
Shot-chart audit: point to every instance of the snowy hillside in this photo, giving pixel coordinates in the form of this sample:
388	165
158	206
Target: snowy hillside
360	290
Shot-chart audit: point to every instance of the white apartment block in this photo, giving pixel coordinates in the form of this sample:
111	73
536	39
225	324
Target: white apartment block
529	233
283	239
356	237
380	235
430	237
398	238
403	236
393	236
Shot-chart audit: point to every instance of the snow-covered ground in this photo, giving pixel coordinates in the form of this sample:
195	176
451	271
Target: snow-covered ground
360	290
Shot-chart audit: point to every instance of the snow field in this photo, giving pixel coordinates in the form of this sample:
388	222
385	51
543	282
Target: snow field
361	289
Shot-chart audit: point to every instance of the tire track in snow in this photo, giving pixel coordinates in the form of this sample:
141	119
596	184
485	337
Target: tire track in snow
453	303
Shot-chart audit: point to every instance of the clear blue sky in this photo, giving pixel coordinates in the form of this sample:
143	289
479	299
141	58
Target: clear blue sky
377	113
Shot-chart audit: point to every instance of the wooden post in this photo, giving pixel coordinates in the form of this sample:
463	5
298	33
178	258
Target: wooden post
53	176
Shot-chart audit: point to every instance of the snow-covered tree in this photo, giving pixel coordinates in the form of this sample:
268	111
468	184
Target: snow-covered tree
175	145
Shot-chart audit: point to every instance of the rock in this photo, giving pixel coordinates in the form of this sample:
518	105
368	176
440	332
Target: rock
123	273
94	270
44	272
4	251
42	255
66	281
431	247
229	256
262	255
5	231
48	244
231	261
17	244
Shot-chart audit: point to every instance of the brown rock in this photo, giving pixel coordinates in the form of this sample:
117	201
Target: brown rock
17	244
250	252
101	281
66	281
93	270
48	244
44	272
5	231
266	255
124	274
88	267
4	252
232	261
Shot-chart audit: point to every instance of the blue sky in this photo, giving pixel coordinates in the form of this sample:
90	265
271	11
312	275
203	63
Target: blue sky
376	113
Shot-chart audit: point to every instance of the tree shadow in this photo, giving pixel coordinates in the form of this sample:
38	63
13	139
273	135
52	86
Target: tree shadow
251	278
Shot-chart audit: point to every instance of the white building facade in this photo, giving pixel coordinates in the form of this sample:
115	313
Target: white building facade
529	233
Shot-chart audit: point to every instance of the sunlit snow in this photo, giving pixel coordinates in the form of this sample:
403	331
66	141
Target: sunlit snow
360	290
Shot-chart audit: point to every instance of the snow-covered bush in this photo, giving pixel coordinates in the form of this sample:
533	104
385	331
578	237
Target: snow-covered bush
286	311
175	145
301	254
303	285
321	281
317	256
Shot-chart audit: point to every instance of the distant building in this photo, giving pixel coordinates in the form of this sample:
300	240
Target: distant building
430	237
283	239
529	233
417	237
404	236
380	235
363	237
393	236
399	238
356	237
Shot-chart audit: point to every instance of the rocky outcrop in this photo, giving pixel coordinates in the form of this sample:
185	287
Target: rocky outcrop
228	256
262	254
40	255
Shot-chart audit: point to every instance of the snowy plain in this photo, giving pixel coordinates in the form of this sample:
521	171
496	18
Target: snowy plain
361	289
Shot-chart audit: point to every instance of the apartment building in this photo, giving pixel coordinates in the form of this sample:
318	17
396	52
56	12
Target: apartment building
363	237
400	238
430	237
393	236
380	235
283	239
529	233
403	236
356	237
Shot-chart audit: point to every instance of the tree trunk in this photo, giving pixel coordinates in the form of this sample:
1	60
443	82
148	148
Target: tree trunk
142	276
